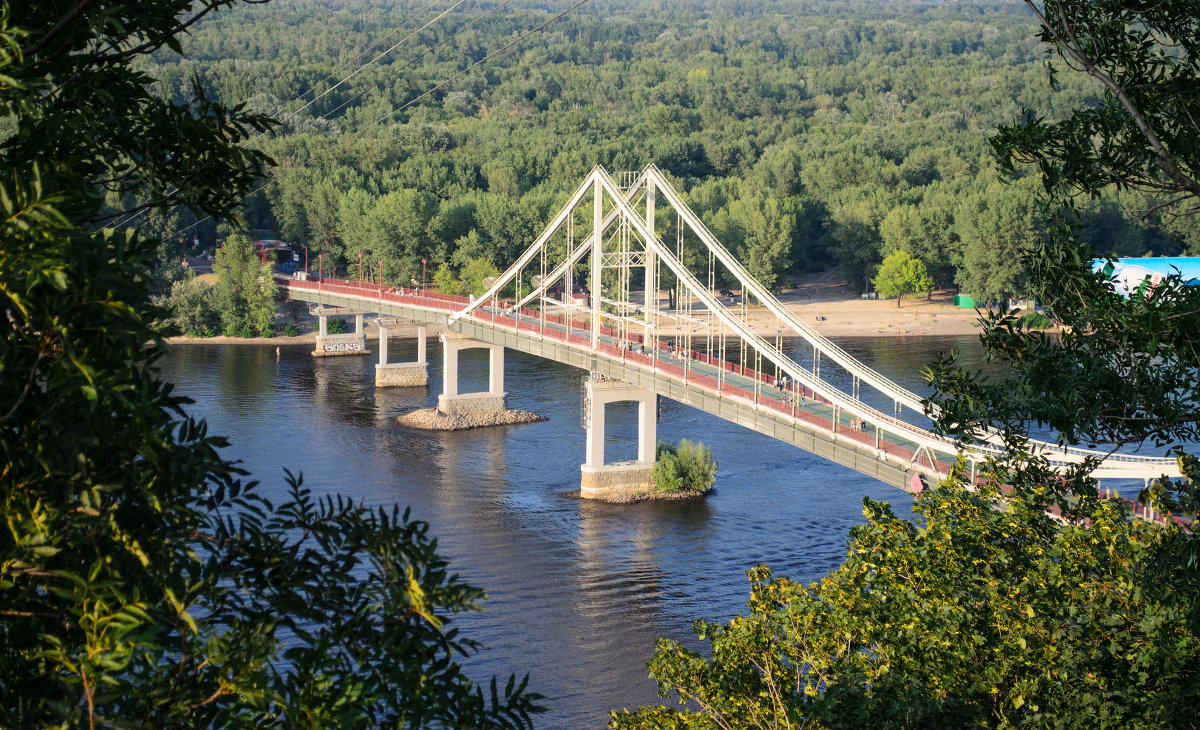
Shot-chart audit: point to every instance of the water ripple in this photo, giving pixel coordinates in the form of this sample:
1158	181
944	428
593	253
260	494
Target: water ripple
578	592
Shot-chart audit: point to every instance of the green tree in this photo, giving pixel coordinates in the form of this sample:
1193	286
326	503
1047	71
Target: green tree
291	195
142	581
978	617
1124	370
398	232
925	233
688	465
474	273
322	215
1144	133
246	292
901	274
445	281
853	236
997	227
191	306
765	230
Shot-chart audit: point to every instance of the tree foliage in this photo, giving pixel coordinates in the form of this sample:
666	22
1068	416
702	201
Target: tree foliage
143	582
688	465
997	227
797	146
192	306
901	274
1143	135
1042	602
245	296
979	617
1124	370
926	234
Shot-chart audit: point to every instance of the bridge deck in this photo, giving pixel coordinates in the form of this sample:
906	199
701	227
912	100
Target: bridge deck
740	395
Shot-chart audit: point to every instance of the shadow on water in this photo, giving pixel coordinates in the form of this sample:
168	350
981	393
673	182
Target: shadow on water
578	591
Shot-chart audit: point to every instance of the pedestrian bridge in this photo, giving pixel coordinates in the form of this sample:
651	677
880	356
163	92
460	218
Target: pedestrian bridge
700	347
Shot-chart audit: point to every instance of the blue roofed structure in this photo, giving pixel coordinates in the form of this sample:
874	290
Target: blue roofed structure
1137	274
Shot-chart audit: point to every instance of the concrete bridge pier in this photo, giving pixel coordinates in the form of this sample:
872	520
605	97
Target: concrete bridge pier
349	343
625	479
401	374
451	401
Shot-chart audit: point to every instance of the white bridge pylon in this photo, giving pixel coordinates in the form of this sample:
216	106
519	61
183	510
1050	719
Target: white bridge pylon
626	234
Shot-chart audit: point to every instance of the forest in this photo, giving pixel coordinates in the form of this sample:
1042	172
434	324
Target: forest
808	134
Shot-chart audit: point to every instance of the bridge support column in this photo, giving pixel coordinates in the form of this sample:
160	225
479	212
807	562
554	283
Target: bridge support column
621	480
451	401
349	343
401	374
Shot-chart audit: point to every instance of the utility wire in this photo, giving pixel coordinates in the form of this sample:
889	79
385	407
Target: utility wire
459	75
415	99
423	54
130	217
366	50
373	60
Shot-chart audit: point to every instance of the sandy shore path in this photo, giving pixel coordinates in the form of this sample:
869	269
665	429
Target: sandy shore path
825	304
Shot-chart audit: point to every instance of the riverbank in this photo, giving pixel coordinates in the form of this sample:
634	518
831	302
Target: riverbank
824	302
304	338
830	305
296	314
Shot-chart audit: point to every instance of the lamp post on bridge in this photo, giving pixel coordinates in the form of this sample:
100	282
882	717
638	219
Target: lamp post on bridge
306	263
360	271
320	276
422	276
380	276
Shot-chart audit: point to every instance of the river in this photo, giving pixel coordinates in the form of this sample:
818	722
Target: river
578	592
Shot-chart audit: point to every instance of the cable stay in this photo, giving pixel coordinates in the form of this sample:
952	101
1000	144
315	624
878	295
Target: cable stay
623	239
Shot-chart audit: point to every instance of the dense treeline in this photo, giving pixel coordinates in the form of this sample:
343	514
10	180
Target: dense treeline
807	134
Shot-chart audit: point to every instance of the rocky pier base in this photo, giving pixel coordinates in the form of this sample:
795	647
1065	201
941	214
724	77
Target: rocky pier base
431	419
681	495
401	375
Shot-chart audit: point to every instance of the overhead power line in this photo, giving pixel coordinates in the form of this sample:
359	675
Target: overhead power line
423	95
140	210
359	70
460	74
425	53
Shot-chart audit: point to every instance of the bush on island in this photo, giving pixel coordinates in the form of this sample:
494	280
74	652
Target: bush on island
690	465
335	326
1036	320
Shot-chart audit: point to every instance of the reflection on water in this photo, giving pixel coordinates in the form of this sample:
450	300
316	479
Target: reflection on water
578	592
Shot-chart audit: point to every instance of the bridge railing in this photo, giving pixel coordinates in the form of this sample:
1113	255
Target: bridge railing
665	362
670	364
532	321
674	366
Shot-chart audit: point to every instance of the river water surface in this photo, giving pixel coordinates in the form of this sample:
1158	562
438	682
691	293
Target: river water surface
578	592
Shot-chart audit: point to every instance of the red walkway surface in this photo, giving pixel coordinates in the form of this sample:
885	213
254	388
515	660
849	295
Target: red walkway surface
561	329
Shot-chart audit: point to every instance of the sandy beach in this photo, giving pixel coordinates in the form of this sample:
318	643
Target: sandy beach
831	306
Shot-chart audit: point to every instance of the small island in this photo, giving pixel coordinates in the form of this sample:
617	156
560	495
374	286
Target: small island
683	472
431	419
